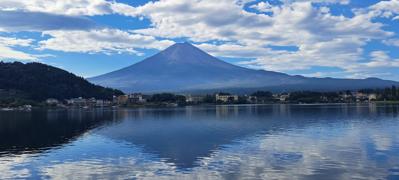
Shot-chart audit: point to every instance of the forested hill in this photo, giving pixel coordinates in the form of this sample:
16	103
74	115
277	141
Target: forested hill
38	82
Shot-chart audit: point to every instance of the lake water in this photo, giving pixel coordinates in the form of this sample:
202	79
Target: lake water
204	142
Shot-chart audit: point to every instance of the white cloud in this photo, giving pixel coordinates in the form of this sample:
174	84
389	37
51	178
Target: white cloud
200	20
386	9
106	41
69	29
17	21
381	59
7	51
234	50
380	64
291	24
8	41
322	39
337	53
69	7
392	42
65	7
319	1
263	7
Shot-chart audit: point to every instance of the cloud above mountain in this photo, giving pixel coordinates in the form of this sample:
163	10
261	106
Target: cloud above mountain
107	41
264	34
6	45
16	21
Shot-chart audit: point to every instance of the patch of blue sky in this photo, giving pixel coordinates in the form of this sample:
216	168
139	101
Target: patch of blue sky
121	22
284	48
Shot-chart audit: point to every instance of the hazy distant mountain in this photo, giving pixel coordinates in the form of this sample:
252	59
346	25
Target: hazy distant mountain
184	67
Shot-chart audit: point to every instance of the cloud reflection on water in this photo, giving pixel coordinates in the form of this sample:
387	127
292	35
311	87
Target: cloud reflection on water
362	146
279	156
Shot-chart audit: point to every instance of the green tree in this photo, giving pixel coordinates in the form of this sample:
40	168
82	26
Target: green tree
263	96
209	99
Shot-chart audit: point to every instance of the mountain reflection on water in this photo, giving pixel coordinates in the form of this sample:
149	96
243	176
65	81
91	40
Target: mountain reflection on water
218	142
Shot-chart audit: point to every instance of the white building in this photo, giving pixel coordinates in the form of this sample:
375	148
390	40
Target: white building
226	98
372	97
136	98
76	101
52	101
194	99
360	97
284	97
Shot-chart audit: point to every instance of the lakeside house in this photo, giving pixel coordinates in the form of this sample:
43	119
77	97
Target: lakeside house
194	99
252	99
226	98
361	97
52	102
136	98
358	97
283	97
76	102
82	102
372	97
122	99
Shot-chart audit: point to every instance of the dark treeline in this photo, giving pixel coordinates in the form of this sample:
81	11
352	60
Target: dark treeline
37	82
167	97
389	94
315	97
266	97
386	94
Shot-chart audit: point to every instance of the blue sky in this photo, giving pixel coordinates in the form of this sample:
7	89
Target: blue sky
321	38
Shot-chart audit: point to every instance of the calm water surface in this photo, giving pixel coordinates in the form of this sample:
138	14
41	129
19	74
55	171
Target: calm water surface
207	142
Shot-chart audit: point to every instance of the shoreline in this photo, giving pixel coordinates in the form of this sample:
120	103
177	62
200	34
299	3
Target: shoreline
24	109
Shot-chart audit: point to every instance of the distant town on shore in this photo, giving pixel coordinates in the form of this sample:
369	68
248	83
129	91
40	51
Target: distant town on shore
260	97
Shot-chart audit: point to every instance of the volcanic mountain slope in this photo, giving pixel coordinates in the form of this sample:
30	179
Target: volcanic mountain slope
184	67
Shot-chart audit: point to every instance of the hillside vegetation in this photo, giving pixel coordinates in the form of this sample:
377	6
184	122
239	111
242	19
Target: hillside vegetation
37	82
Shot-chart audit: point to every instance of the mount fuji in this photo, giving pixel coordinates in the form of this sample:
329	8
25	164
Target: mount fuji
183	67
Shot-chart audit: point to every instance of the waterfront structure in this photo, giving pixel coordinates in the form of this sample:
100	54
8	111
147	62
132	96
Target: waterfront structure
283	97
136	98
372	97
122	99
361	97
91	102
194	99
77	102
252	99
226	98
52	101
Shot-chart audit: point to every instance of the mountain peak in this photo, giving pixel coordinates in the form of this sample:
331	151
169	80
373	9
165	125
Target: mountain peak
184	46
183	52
184	67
